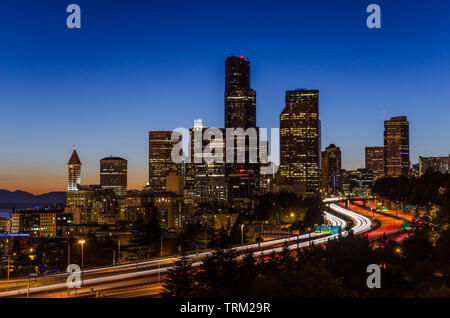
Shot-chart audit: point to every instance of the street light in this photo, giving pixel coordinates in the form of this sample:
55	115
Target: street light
309	233
159	263
196	247
82	252
118	253
68	252
204	220
9	260
242	237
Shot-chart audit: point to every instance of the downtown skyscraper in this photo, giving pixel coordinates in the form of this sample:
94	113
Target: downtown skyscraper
204	177
240	99
375	161
160	163
240	112
300	139
396	146
331	169
113	175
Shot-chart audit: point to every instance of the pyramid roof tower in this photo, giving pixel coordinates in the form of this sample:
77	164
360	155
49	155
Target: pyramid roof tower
74	159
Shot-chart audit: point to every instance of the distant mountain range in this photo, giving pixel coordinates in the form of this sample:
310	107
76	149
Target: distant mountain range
21	199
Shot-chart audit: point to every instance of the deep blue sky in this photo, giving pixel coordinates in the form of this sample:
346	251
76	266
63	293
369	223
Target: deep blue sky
141	65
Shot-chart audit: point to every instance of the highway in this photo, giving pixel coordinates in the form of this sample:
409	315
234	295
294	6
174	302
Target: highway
110	279
390	222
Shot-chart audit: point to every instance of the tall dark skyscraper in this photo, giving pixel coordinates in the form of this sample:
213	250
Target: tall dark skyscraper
113	175
331	169
74	172
160	163
375	161
396	146
300	139
237	73
240	99
240	112
240	108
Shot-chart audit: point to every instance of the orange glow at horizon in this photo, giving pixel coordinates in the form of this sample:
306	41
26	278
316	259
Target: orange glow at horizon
37	184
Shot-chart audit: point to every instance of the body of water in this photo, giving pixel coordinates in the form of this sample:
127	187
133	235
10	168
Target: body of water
5	213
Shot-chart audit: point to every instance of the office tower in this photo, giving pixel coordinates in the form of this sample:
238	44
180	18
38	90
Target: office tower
160	163
300	139
205	177
74	166
240	108
237	73
113	175
357	181
240	112
331	169
375	161
396	146
175	184
266	181
441	164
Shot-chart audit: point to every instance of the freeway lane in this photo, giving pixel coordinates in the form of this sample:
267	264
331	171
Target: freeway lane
361	224
108	274
402	215
390	224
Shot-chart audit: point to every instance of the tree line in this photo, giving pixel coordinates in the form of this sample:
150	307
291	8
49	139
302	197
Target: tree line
432	188
420	267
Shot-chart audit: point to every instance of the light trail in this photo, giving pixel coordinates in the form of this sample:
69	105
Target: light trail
164	261
361	224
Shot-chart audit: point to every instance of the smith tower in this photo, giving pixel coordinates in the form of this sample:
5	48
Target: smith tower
74	166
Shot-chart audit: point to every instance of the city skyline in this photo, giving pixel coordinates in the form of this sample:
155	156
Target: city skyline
120	96
222	156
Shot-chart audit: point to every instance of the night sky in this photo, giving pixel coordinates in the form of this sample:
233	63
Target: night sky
136	66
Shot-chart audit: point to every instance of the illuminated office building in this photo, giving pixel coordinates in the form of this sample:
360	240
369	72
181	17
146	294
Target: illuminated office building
441	164
331	169
375	161
74	169
396	146
113	175
237	74
205	177
43	222
160	163
300	139
240	112
357	181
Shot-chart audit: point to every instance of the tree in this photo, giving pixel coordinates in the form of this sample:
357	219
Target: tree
180	281
218	275
146	241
